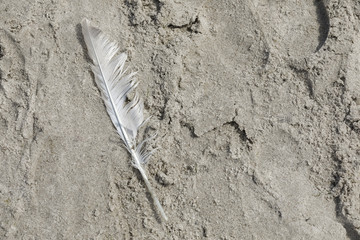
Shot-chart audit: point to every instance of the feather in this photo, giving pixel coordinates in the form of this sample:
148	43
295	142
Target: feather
115	84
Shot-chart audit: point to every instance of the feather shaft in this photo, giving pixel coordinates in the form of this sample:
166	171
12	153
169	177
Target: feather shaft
114	87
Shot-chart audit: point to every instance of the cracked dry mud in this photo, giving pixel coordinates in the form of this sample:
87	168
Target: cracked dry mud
256	103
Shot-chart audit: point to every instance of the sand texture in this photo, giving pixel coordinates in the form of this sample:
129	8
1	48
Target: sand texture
256	105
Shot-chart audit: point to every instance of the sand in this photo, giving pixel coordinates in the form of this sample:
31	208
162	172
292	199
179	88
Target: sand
256	105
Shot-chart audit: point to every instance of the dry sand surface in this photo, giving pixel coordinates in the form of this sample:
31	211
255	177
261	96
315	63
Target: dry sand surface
256	104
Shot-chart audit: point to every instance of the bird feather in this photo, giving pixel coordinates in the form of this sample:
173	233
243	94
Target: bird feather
115	84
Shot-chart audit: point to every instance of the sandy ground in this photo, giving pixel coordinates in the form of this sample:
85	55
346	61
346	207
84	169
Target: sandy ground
256	103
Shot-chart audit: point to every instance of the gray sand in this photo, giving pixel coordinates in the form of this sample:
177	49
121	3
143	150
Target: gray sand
256	103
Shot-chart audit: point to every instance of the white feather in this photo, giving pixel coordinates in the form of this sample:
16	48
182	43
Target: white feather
115	85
